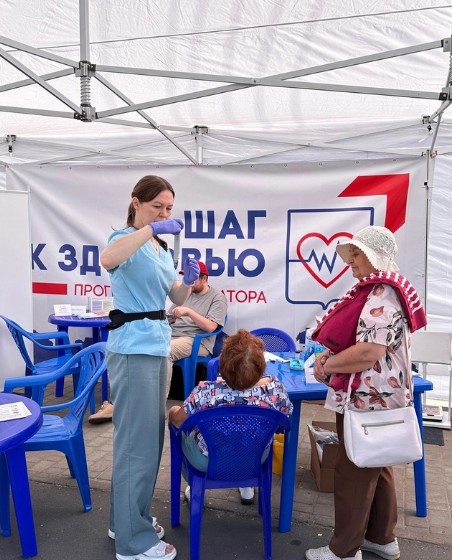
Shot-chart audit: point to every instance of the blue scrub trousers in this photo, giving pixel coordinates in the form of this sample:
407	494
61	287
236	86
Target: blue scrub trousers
138	393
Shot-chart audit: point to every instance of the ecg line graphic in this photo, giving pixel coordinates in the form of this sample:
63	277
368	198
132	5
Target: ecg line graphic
320	262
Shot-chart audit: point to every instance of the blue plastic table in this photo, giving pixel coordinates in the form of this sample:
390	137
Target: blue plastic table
299	390
100	334
13	472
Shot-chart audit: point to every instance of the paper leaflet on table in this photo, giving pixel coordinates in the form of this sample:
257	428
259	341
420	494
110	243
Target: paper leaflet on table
78	310
62	310
14	410
100	306
269	357
89	315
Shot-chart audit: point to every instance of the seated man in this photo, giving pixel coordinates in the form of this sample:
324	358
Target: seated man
203	311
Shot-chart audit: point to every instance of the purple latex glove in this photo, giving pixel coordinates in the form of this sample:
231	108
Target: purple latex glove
191	271
167	226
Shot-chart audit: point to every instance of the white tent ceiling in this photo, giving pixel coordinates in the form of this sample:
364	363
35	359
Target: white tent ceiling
245	70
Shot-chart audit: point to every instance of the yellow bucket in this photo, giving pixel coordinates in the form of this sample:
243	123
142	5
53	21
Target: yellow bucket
278	451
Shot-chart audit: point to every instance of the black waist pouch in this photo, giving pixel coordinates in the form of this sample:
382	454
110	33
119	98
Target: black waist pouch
119	318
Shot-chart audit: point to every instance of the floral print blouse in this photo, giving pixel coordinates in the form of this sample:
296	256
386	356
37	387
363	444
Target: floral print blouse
387	383
217	393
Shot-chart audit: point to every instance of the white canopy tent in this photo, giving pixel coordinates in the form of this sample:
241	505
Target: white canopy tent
206	83
178	82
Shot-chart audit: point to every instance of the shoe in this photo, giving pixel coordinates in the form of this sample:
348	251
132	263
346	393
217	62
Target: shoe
104	414
324	553
187	493
157	552
159	530
389	551
246	496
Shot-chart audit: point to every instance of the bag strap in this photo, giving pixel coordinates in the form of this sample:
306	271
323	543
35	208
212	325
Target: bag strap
349	391
409	366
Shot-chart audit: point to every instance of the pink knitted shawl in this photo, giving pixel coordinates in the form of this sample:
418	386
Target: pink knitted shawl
337	329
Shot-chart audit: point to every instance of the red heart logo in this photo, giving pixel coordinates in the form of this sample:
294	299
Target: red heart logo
327	242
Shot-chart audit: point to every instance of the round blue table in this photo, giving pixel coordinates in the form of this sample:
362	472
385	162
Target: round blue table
100	334
13	472
97	324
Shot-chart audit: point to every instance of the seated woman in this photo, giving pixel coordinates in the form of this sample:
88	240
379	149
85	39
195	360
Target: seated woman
242	380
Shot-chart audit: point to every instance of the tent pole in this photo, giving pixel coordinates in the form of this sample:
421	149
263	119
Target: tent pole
84	29
428	201
199	132
86	69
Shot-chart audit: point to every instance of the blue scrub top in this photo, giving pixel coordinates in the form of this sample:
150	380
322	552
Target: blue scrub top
142	283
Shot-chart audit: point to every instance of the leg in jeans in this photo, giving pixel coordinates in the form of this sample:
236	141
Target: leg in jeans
138	388
193	453
181	348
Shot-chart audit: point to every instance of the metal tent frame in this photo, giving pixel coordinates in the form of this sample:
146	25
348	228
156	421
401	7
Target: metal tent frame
85	70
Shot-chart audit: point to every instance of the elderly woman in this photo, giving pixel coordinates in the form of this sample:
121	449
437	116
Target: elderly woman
366	333
243	381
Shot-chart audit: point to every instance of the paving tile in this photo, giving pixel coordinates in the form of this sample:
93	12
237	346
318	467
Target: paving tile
310	505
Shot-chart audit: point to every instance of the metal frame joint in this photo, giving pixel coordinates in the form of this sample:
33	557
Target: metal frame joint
445	93
86	69
10	138
200	129
88	113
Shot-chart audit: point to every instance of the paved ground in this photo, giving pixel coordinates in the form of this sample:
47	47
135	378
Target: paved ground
64	532
230	529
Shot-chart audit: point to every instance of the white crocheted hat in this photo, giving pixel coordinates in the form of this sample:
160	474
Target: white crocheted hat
377	243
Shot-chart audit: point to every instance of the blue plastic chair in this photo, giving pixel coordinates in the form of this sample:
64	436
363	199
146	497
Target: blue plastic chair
188	364
237	438
275	340
65	433
212	369
64	351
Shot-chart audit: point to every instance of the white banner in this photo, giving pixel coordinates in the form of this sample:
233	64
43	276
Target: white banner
15	282
266	232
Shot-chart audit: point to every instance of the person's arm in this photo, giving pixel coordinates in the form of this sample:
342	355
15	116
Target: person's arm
120	250
180	290
205	324
176	415
179	293
356	358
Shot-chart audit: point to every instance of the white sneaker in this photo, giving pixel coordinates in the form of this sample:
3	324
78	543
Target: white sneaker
159	530
324	553
389	551
246	495
157	552
187	493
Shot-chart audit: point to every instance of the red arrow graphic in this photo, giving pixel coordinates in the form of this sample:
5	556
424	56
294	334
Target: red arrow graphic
394	187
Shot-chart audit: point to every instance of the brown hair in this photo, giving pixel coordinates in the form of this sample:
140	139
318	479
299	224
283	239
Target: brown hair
147	188
242	361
